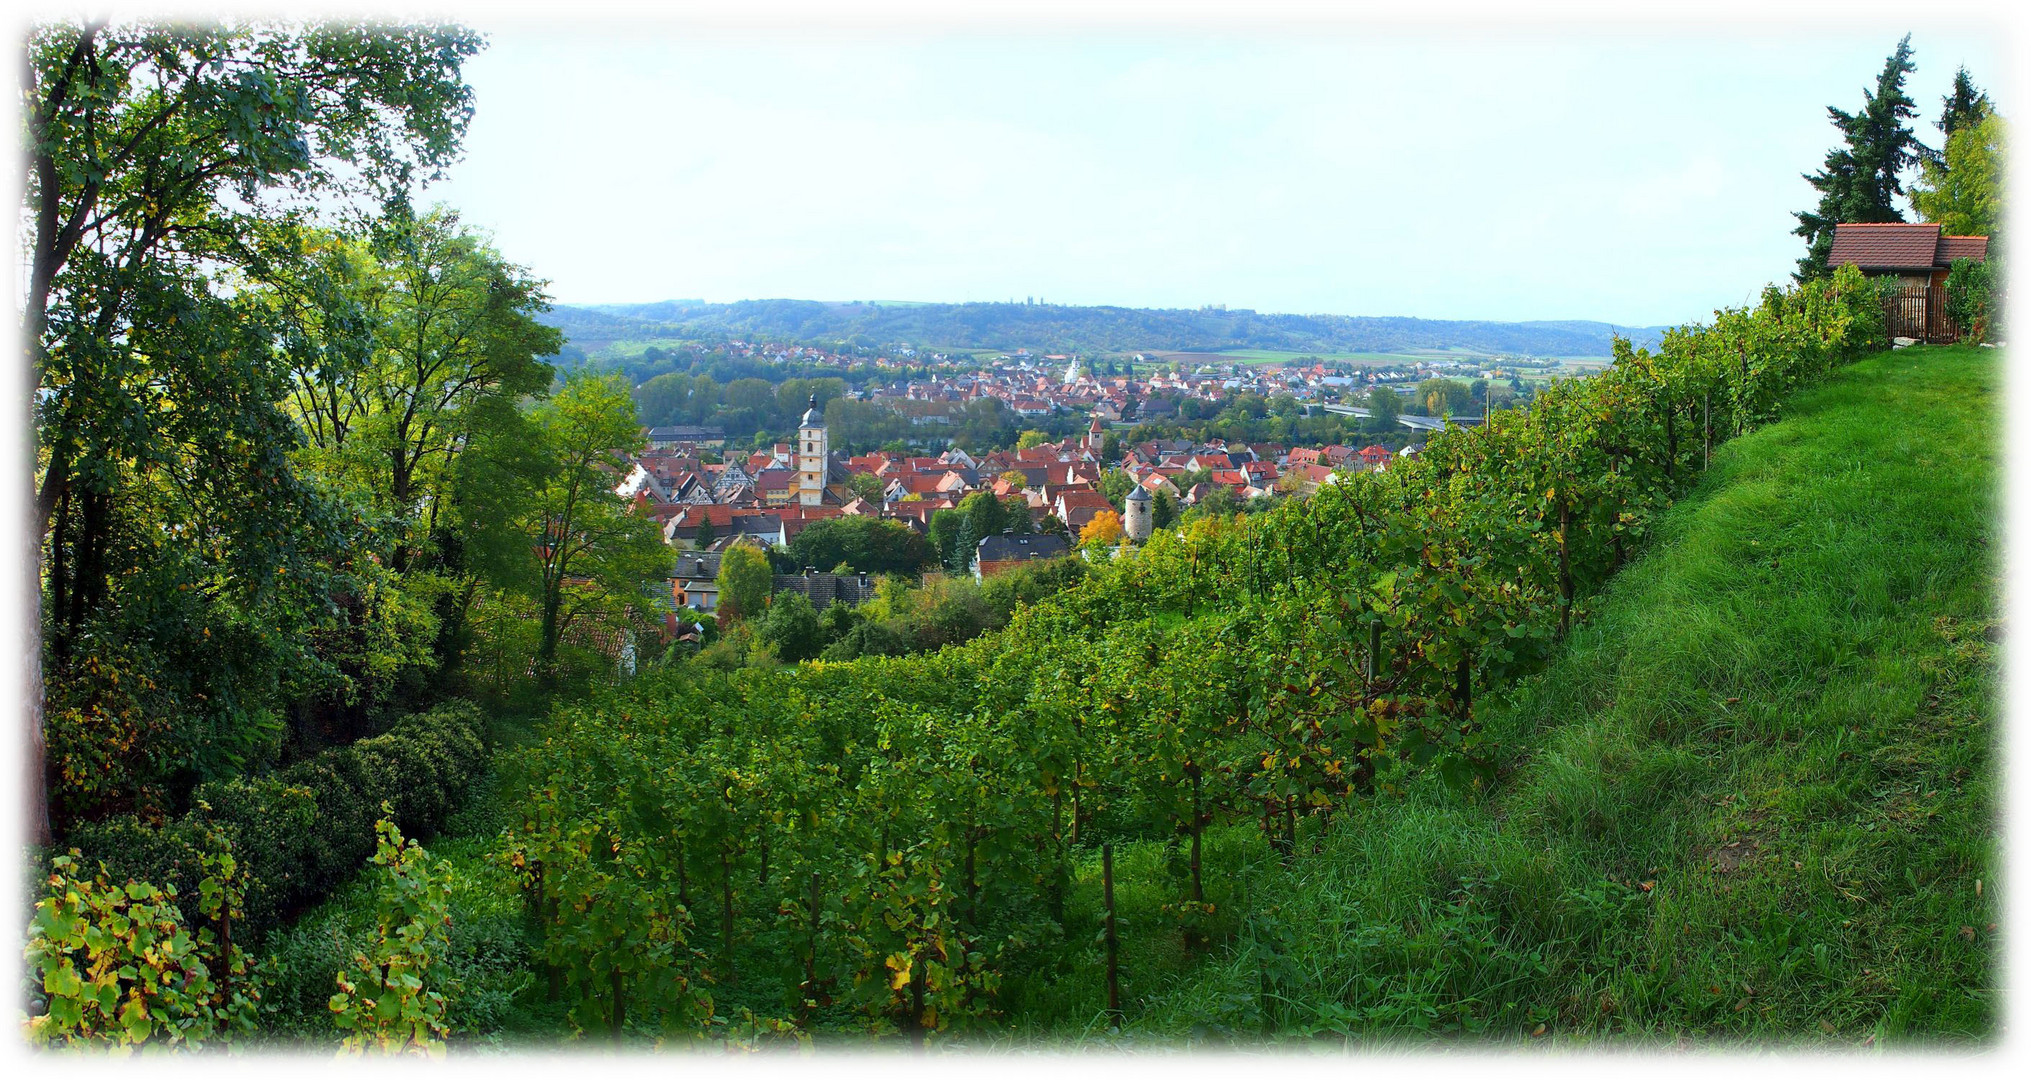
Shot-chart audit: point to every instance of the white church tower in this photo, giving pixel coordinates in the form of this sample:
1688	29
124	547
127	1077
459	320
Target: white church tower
813	456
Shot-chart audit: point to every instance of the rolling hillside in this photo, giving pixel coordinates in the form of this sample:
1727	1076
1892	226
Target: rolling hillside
1051	327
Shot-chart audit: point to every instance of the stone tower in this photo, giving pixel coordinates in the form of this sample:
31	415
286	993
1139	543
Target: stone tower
1096	437
813	455
1138	518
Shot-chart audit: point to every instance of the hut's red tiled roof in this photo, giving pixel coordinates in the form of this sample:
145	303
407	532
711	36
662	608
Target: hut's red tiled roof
1963	247
1901	246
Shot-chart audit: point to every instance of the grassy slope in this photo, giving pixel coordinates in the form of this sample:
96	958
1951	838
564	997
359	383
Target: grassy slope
1751	800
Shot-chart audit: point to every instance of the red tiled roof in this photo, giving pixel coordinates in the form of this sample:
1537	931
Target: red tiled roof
1901	246
1963	247
1888	246
1074	499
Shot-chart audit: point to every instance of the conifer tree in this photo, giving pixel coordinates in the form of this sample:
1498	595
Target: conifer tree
1965	106
1860	179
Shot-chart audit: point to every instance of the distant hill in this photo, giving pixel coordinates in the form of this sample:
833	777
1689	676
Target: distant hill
1061	328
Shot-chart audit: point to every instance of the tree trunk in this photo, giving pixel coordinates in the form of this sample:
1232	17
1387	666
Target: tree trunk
1075	806
1198	826
59	580
398	487
917	1027
554	986
1063	876
546	648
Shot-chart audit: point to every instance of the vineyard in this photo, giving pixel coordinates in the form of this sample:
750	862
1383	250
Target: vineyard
909	846
1658	706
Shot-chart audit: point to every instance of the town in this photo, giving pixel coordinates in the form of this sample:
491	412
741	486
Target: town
705	497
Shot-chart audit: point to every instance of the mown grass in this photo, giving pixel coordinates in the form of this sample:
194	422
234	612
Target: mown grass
1754	799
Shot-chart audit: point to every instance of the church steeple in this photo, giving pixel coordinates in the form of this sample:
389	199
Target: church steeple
813	455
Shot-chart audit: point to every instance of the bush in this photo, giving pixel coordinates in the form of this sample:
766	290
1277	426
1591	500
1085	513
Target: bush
383	1003
305	830
1971	300
483	966
119	965
866	639
791	626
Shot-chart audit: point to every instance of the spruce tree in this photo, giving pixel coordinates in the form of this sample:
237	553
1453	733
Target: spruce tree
1860	179
1966	106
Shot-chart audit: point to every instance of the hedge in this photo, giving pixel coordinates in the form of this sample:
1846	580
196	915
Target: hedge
303	831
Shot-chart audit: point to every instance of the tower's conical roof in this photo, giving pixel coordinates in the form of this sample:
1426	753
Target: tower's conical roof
1138	494
812	417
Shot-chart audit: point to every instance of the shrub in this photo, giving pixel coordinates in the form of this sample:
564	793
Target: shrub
305	830
483	966
791	626
382	1003
118	963
866	639
1971	299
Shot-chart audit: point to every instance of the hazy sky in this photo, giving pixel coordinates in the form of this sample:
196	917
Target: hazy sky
1641	178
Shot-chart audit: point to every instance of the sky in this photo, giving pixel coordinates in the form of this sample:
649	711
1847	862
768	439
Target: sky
1632	174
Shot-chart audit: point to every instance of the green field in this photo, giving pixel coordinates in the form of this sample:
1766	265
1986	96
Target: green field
1564	364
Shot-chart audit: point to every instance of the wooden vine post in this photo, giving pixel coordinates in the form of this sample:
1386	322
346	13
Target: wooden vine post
620	1014
1374	665
683	880
1463	691
1113	943
726	911
810	995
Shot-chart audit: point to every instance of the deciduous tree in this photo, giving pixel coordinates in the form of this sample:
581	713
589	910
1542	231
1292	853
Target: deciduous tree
564	539
156	153
1105	528
745	579
1966	189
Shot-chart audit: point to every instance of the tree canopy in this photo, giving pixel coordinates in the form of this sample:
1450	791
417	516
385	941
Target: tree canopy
745	579
168	165
1861	178
866	544
1966	189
